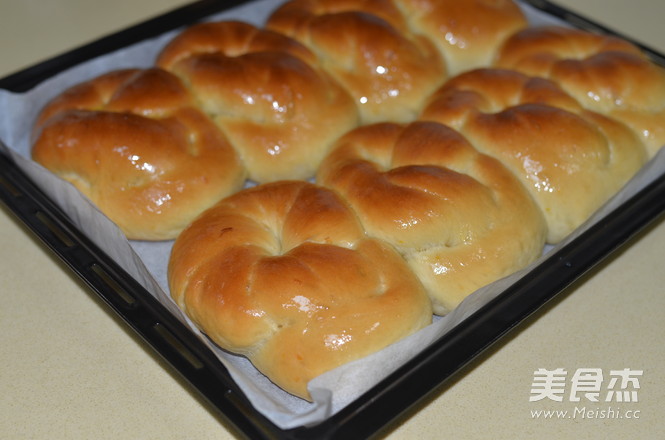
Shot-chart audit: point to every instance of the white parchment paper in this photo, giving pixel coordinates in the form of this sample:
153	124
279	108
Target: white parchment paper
147	261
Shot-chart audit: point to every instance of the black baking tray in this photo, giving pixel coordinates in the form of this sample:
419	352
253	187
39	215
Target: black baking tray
375	409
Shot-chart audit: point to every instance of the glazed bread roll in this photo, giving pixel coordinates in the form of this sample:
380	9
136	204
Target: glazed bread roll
468	33
284	274
570	159
429	187
604	73
460	218
134	142
367	47
265	92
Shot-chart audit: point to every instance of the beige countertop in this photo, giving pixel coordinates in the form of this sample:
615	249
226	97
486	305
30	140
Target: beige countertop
90	377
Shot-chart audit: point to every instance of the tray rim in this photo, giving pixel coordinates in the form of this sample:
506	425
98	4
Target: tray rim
173	341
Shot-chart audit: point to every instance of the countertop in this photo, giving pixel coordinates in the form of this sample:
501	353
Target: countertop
72	370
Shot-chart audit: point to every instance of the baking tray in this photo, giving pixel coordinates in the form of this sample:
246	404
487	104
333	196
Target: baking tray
171	339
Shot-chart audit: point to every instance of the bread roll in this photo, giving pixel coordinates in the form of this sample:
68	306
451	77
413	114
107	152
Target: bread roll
136	145
460	218
468	33
448	185
570	159
264	90
368	48
604	73
284	274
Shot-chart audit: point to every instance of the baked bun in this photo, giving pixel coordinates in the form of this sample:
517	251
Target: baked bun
136	145
468	33
284	274
604	73
278	109
368	48
570	159
460	218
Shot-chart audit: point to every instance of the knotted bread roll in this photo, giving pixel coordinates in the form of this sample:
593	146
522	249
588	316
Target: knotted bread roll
135	143
278	109
570	159
604	73
300	278
284	274
468	33
368	47
460	218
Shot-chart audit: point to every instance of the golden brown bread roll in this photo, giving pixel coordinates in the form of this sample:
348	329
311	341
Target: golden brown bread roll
300	278
264	90
467	33
570	159
459	218
367	47
284	274
136	145
604	73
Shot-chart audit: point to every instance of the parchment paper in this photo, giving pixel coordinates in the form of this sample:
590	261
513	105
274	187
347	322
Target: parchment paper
147	261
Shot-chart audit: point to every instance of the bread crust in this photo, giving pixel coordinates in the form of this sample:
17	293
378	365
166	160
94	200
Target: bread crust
467	33
284	274
368	48
266	92
570	159
604	73
459	217
449	143
134	142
